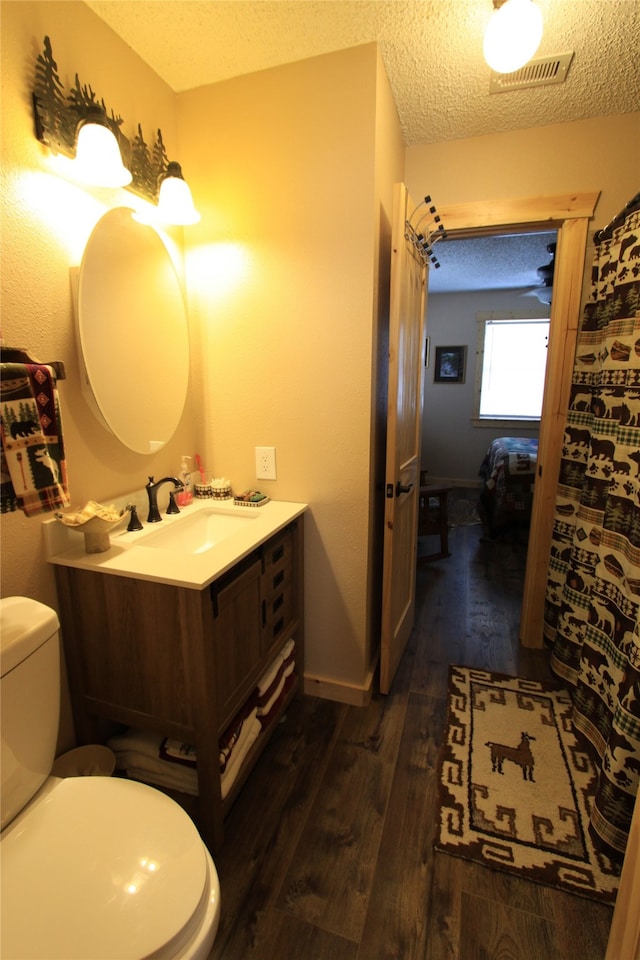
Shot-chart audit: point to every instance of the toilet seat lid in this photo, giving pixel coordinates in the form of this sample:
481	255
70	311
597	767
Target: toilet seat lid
101	868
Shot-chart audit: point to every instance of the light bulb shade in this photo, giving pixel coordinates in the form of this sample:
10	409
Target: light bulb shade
98	158
513	35
175	203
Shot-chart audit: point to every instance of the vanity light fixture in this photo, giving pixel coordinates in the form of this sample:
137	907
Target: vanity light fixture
65	121
98	159
513	34
175	203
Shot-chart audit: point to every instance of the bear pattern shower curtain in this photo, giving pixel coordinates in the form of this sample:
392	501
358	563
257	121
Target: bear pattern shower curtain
592	606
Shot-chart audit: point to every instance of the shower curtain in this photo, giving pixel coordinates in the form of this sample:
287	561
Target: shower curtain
592	604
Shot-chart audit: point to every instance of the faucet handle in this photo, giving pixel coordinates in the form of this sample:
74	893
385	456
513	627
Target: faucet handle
173	506
134	519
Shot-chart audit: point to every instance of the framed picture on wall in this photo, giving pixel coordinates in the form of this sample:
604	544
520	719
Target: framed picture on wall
450	365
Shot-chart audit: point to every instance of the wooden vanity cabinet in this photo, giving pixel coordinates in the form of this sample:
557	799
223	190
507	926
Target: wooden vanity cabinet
180	661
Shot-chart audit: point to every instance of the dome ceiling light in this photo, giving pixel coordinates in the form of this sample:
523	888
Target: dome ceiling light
513	34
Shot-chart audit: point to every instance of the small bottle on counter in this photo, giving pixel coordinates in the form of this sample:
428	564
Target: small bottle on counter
184	496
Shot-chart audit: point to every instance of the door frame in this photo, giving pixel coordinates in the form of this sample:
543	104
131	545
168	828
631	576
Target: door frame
569	214
405	400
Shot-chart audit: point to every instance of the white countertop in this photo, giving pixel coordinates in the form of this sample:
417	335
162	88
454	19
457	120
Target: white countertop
128	556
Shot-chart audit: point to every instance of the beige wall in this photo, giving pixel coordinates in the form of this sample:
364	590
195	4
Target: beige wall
292	170
282	273
46	220
600	154
597	154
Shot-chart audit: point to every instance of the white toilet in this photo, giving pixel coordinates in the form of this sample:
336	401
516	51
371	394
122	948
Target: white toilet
92	867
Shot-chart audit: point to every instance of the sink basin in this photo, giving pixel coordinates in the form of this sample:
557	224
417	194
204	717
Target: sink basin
198	532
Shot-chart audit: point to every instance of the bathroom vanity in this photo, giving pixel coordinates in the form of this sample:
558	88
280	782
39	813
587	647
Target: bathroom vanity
172	638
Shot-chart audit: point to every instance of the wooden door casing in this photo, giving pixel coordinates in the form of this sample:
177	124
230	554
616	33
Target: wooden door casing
569	214
404	432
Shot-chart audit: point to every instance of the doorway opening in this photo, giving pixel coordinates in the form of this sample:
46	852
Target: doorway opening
569	215
482	282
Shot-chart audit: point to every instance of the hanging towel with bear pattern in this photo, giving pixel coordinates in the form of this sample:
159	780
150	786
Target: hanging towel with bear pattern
34	469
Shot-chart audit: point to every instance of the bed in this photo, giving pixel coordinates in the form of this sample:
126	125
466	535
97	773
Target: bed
508	473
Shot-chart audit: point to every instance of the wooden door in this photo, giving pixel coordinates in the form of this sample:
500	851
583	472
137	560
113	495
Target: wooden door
404	427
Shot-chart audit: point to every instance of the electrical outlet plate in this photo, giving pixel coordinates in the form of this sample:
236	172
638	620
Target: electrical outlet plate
266	463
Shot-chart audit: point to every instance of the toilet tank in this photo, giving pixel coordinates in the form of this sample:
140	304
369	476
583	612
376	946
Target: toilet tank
30	699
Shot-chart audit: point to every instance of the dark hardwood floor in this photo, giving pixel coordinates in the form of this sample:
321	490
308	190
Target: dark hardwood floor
328	852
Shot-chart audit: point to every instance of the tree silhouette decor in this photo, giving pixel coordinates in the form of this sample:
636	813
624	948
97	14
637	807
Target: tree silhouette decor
57	115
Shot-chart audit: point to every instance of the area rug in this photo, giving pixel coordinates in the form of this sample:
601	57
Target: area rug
515	784
463	508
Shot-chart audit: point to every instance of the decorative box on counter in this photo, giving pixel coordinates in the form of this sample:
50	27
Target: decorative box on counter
215	488
250	498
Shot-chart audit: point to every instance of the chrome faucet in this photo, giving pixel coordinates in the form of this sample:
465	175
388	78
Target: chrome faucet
152	488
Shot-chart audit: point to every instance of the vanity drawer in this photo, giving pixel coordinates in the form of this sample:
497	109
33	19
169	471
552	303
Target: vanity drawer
277	560
277	614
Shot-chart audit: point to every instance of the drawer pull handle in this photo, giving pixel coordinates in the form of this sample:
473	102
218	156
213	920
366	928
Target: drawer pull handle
277	627
277	603
277	580
277	554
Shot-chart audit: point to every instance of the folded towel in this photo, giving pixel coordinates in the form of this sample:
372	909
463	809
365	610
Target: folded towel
268	718
234	733
34	469
287	650
271	673
136	741
139	766
174	751
228	778
169	763
170	779
266	703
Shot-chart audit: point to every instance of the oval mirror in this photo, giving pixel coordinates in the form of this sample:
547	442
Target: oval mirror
133	334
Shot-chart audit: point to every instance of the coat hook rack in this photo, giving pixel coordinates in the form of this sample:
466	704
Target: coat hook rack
18	355
426	232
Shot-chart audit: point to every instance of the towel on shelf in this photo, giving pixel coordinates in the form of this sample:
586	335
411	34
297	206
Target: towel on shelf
139	754
251	729
232	735
271	673
175	751
265	703
268	718
34	469
163	778
170	763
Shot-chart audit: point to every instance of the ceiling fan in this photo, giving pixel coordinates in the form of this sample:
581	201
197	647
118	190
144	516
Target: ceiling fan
544	290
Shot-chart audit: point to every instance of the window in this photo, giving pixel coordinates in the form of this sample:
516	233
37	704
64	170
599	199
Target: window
512	359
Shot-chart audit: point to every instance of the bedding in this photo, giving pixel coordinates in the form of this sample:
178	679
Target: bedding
508	471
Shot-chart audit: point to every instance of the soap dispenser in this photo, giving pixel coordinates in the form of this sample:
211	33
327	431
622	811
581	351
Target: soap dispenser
185	496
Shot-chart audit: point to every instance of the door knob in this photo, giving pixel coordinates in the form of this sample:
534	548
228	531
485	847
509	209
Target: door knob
400	488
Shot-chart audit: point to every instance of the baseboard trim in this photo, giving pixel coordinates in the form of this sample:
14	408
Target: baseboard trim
340	692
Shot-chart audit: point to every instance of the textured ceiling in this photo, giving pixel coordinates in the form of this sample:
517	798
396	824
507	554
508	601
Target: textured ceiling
490	263
432	51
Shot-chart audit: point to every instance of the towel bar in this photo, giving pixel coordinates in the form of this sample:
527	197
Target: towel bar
18	355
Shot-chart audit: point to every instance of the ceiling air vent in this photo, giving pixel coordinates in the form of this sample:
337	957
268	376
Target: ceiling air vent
536	73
